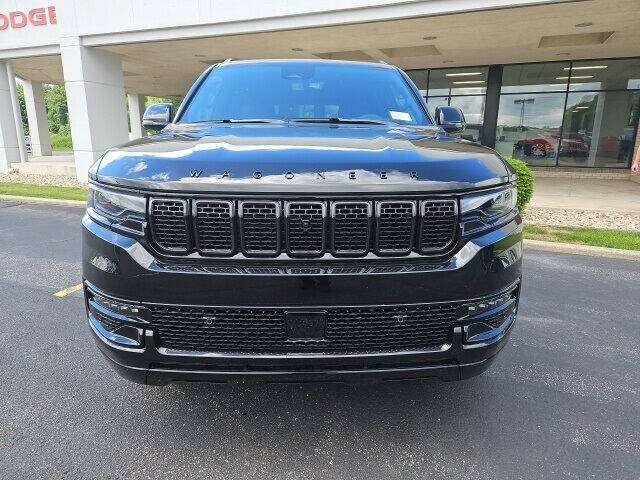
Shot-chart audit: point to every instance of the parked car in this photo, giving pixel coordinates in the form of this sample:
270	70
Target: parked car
301	221
535	147
575	144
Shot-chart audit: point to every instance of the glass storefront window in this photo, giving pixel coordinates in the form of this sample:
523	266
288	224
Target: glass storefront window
458	81
529	127
535	77
419	77
473	109
605	75
599	129
598	126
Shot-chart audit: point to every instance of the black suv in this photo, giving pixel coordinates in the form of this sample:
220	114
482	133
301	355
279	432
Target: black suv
301	221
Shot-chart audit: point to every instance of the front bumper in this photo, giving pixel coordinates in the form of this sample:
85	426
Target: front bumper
120	268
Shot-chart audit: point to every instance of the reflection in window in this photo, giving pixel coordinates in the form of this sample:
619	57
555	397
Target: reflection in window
529	126
473	109
535	77
599	129
605	75
419	78
458	81
599	124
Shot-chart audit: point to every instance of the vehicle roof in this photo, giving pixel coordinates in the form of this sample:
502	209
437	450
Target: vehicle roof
231	62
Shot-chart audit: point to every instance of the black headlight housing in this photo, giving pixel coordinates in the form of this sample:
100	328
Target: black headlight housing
487	210
120	211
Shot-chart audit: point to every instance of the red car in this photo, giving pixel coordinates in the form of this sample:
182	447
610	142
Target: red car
574	144
534	147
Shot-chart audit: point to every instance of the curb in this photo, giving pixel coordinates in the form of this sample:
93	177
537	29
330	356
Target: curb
577	249
49	201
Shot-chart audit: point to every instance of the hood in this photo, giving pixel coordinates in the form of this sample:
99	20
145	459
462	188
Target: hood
301	158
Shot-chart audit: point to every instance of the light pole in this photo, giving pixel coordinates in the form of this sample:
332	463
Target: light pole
523	102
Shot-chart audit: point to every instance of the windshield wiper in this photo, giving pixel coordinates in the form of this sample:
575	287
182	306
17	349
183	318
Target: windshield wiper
242	120
353	121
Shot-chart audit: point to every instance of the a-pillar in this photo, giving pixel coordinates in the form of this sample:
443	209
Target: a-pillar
37	116
95	96
9	149
136	111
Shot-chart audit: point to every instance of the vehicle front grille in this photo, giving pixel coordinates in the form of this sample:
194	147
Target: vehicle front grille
351	227
395	226
305	227
260	227
214	226
169	224
268	228
439	222
263	330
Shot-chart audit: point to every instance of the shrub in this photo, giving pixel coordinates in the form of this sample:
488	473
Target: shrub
524	182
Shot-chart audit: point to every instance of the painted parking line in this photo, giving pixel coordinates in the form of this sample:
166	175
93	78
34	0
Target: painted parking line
67	291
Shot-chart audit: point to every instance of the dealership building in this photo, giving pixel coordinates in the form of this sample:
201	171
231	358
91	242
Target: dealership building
555	83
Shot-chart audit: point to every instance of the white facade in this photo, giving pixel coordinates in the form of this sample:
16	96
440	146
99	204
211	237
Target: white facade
103	51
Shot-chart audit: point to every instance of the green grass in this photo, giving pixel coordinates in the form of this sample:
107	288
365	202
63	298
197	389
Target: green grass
597	237
42	191
61	142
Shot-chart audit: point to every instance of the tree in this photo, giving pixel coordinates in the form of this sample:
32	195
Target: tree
23	108
55	100
63	113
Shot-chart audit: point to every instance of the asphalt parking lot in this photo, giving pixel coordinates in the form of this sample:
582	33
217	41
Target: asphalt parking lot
561	401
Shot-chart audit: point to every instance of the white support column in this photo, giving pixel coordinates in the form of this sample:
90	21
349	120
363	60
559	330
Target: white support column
17	117
95	95
136	111
9	150
37	115
597	127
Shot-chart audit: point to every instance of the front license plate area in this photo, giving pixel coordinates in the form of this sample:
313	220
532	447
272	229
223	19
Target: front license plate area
306	325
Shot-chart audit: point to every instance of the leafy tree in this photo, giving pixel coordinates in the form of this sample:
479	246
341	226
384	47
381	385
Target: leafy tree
55	100
63	113
23	108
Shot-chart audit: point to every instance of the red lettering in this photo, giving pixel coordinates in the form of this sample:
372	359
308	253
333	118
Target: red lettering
52	15
17	19
37	16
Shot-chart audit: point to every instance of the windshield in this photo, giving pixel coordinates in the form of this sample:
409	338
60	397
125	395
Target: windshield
304	90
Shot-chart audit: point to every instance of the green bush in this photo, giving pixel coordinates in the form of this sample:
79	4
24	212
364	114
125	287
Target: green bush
524	182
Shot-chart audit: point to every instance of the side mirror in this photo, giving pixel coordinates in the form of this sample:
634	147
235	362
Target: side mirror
157	116
451	119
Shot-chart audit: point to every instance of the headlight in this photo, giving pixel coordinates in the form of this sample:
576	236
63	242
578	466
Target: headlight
479	211
121	211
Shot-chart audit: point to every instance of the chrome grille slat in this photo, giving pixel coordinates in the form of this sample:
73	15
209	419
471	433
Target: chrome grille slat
304	228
